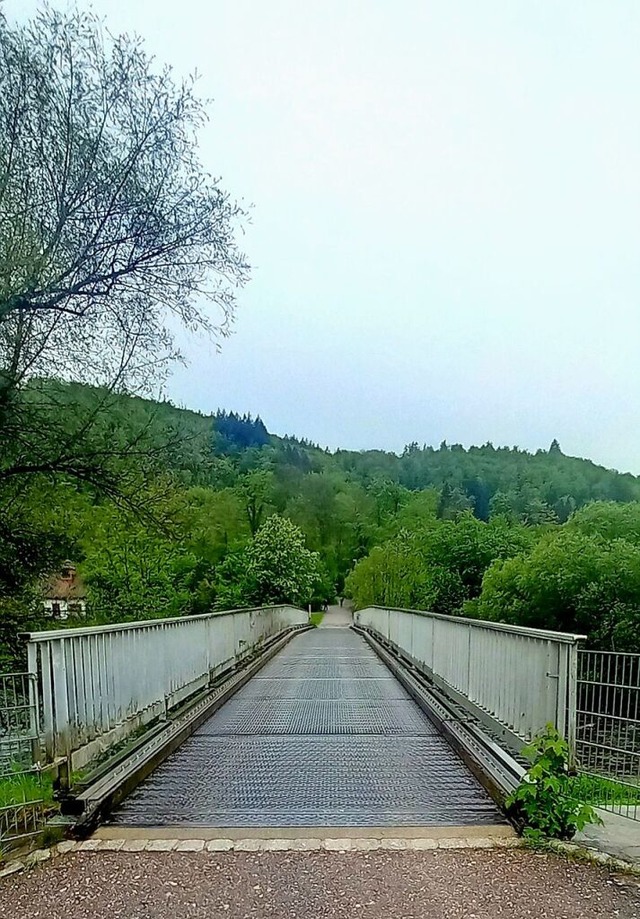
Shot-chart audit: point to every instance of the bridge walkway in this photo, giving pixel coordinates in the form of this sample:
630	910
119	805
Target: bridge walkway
324	735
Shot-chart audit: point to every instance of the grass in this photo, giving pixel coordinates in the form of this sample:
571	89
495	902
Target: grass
315	618
596	790
19	787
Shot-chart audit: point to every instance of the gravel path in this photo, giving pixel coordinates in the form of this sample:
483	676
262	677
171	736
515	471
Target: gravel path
338	617
451	884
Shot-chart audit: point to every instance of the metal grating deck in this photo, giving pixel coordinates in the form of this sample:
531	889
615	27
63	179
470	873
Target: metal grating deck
317	717
323	736
372	689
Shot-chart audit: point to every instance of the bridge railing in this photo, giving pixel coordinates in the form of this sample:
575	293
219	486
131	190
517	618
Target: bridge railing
99	684
515	680
608	741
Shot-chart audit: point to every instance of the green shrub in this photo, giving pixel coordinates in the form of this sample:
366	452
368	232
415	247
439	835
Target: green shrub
547	802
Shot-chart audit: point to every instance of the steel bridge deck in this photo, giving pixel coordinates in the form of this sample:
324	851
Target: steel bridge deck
324	735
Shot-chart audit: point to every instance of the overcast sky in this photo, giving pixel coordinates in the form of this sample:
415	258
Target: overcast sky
446	220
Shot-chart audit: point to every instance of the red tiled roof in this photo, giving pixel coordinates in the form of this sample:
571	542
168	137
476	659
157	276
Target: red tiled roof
60	588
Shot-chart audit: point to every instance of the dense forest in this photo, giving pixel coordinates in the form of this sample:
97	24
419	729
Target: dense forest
216	512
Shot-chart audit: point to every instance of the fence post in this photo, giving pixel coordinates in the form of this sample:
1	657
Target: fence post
572	700
34	703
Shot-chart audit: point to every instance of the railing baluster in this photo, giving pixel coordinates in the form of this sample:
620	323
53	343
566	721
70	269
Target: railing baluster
101	683
518	677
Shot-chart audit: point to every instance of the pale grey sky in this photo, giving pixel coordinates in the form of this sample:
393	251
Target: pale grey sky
446	222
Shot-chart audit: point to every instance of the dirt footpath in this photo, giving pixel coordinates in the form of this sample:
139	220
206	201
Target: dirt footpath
445	884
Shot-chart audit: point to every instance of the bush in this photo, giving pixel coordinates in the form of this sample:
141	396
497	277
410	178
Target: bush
547	803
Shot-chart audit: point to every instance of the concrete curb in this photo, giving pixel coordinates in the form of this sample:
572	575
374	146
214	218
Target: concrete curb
307	832
300	844
309	844
595	856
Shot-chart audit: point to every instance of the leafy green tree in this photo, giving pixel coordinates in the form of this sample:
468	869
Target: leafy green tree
468	546
393	574
503	505
419	508
256	490
538	513
571	582
132	571
608	520
389	497
275	567
31	545
438	567
212	523
453	501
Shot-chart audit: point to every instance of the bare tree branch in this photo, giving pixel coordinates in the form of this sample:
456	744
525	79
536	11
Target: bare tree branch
111	234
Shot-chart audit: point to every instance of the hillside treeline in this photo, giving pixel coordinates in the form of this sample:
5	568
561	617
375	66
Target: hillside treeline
194	512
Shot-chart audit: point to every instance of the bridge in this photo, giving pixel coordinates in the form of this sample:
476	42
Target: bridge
176	741
323	735
253	719
249	719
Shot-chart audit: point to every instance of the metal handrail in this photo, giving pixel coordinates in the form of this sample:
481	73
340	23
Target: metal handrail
512	678
50	634
548	634
101	683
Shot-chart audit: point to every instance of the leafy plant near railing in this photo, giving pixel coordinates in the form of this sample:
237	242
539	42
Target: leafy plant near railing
547	802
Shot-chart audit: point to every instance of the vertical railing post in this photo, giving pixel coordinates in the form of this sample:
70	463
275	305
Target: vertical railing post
34	708
62	731
572	701
105	681
469	653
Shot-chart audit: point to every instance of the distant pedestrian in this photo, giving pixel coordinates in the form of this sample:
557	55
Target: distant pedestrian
341	600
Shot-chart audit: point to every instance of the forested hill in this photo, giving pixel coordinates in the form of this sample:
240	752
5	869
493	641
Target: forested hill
168	511
207	449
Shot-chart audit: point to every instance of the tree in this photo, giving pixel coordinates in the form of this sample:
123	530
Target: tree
276	567
572	582
453	501
608	520
29	547
233	433
389	497
111	231
214	522
437	566
256	488
132	571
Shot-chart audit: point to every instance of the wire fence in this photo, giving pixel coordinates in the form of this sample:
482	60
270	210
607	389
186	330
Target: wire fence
22	800
608	729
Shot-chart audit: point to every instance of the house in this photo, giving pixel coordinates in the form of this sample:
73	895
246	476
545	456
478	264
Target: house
65	594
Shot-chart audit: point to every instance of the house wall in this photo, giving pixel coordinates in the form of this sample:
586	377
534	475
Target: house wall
62	609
